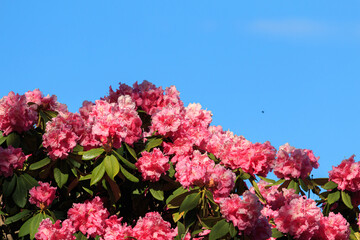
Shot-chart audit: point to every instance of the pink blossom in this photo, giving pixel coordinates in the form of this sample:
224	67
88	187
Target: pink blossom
49	231
294	163
11	159
60	137
89	217
243	213
237	152
194	172
15	114
115	230
152	164
167	121
333	227
222	181
346	175
44	103
153	227
262	229
43	195
113	123
300	218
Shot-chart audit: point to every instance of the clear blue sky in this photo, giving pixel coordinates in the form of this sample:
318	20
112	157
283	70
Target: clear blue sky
298	61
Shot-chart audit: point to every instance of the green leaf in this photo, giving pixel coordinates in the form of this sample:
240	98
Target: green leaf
80	236
97	173
157	194
2	138
333	197
61	174
86	177
276	233
112	166
25	228
152	143
34	225
181	228
128	175
257	190
30	182
20	194
174	201
13	139
171	170
346	199
190	202
176	193
78	148
303	185
51	114
40	164
294	185
131	151
17	217
91	154
124	160
329	185
267	179
88	191
232	230
219	230
9	185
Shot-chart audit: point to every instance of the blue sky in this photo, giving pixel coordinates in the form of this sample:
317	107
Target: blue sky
296	61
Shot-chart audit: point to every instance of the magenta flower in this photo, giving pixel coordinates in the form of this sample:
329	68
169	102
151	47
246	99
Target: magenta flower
43	195
11	159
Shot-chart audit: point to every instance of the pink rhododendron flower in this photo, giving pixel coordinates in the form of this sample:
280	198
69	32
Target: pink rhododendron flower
237	152
11	159
294	163
167	121
243	213
300	218
57	231
194	172
60	137
113	123
115	230
15	114
43	195
152	164
221	182
89	217
346	175
333	227
153	227
44	103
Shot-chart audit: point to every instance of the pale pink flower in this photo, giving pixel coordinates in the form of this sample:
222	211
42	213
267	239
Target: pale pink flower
43	195
57	231
346	175
243	213
11	159
152	164
300	218
60	137
153	227
294	163
333	227
15	114
89	217
115	230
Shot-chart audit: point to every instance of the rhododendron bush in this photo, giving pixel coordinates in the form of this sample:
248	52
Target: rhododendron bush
138	164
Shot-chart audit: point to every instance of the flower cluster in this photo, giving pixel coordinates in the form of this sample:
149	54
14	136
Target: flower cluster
11	159
346	175
57	231
15	114
153	164
292	162
43	195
